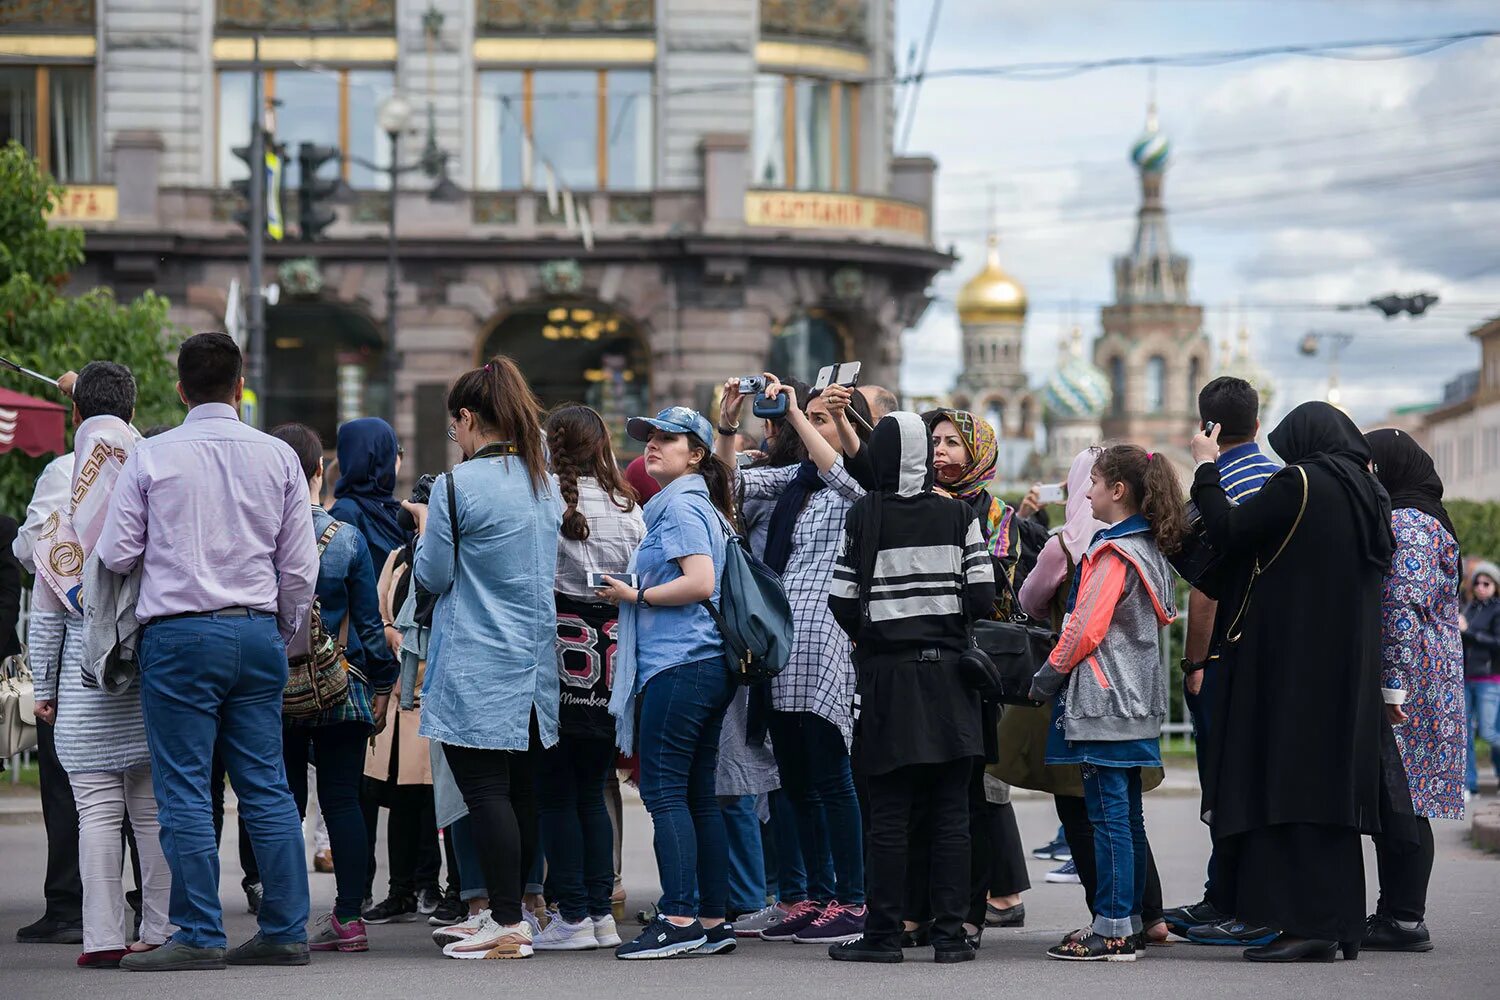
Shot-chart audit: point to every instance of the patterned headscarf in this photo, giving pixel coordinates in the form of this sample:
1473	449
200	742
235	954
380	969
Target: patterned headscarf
984	451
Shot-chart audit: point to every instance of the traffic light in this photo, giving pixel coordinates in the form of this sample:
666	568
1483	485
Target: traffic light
272	214
313	213
1394	305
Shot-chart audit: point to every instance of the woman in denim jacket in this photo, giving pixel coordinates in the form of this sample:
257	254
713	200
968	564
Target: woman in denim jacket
346	588
490	695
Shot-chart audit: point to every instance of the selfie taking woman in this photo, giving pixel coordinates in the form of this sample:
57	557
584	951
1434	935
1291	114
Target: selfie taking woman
671	658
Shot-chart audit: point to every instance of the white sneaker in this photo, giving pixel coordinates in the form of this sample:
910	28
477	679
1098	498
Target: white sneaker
537	924
751	924
559	935
605	932
493	940
462	931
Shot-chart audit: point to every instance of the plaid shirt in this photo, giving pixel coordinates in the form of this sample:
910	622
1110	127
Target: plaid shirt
614	535
819	678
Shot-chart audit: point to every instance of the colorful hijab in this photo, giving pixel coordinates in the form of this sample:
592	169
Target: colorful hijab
995	515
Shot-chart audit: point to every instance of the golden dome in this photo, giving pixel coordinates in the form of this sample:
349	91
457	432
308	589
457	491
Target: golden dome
992	296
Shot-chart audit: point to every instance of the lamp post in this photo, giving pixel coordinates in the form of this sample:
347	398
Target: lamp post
1336	341
394	114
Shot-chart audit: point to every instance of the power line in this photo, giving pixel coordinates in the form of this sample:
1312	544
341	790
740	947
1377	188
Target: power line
916	87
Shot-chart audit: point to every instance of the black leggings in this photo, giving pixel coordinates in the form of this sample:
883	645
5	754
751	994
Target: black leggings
1405	870
499	787
1074	816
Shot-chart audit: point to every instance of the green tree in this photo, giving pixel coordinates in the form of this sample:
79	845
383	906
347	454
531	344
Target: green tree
49	331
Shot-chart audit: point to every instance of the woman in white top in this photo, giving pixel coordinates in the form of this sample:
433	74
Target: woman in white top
601	527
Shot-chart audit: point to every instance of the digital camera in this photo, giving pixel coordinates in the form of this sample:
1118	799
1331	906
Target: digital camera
751	384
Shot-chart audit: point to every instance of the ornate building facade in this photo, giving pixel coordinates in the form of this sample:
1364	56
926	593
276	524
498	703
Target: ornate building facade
651	195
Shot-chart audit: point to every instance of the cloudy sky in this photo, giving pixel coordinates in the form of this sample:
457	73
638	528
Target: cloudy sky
1294	181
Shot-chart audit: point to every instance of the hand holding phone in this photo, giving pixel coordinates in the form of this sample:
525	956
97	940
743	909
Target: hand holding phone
845	374
597	581
1050	493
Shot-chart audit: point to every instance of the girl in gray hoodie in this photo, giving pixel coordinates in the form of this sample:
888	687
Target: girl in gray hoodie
1108	658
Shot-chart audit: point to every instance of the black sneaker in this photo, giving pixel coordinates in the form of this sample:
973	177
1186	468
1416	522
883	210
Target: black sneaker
450	911
1181	919
966	950
721	940
50	930
663	939
1234	933
1057	850
392	910
428	901
1086	946
1384	934
861	950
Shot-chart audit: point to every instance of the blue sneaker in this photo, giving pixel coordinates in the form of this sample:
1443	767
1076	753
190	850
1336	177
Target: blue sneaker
1057	850
663	939
721	940
1066	874
1233	932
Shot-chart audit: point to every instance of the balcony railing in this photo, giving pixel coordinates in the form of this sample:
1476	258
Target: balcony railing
57	15
304	15
528	16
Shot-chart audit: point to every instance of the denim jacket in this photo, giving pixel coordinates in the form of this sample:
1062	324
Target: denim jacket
492	655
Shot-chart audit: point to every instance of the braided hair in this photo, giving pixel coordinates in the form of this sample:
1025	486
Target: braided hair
579	446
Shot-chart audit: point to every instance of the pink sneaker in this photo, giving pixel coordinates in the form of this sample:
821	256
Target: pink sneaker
331	935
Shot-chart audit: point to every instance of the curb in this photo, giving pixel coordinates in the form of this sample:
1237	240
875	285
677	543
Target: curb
1485	826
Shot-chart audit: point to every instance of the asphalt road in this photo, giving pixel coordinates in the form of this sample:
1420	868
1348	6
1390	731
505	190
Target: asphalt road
1464	914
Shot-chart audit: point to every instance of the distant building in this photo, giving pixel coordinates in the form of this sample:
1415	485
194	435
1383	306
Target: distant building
1464	433
1410	420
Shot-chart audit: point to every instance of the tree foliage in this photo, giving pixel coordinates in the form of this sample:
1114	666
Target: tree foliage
51	332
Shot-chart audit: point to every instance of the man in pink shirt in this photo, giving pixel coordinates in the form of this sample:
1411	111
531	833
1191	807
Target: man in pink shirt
215	515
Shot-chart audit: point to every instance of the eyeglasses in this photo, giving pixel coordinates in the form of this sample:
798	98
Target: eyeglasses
400	451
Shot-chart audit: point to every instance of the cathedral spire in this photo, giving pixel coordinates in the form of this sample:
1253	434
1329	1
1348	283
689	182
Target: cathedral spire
1151	272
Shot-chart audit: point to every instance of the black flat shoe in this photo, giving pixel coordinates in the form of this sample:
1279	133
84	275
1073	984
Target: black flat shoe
50	930
1294	949
954	951
861	950
1384	934
1005	916
921	937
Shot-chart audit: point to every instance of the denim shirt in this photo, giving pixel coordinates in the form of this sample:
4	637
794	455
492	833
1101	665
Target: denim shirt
492	655
346	588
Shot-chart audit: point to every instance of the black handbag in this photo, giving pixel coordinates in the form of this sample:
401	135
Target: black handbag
1004	655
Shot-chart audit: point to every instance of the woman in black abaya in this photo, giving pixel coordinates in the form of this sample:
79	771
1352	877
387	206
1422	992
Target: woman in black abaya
1295	770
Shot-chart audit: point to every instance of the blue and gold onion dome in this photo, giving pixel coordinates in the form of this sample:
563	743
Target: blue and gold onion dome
1077	390
1152	150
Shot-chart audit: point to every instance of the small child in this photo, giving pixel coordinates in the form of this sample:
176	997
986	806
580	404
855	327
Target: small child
1111	718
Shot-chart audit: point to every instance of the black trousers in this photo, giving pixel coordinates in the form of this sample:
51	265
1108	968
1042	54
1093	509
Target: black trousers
938	794
499	787
63	888
247	853
412	851
1074	816
1405	869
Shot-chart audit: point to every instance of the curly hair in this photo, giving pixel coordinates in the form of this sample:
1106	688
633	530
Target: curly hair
578	443
1152	485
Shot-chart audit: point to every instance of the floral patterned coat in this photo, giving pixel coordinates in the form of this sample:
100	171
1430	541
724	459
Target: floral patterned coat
1423	662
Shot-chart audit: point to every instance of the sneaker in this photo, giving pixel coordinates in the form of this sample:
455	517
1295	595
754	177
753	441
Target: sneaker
956	951
836	923
461	931
560	935
1065	874
1086	946
493	940
1233	932
255	893
329	934
1057	850
428	900
50	930
663	939
721	940
392	910
537	923
861	950
751	924
605	932
798	917
1384	934
1181	919
1004	916
451	910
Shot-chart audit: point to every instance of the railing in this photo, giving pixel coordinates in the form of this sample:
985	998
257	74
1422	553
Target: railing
64	14
527	16
301	15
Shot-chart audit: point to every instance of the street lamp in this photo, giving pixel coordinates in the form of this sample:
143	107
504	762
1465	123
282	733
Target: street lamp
1337	341
393	116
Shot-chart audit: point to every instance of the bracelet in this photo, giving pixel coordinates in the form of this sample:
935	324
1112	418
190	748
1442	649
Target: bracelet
640	599
730	430
1189	667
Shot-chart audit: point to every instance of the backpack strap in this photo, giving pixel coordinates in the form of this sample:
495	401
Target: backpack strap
453	518
327	536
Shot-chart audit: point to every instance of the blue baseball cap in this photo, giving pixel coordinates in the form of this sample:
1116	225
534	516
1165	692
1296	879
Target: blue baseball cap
673	420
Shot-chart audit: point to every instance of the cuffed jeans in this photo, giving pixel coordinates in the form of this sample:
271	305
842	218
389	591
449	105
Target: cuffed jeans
103	799
576	828
217	681
1113	795
814	765
682	711
340	750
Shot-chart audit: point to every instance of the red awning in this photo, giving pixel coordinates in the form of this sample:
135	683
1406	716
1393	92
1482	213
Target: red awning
32	425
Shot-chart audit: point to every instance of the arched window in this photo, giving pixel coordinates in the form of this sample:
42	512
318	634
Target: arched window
1156	384
1117	385
1195	381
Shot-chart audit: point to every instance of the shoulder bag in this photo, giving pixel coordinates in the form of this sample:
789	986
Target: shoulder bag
1014	650
318	680
17	706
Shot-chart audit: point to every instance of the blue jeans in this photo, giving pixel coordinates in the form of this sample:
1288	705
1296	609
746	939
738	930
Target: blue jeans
794	882
470	876
1482	700
814	766
747	865
1113	797
217	681
576	828
682	710
340	750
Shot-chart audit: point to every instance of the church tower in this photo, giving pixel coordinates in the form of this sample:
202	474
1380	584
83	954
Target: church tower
1153	349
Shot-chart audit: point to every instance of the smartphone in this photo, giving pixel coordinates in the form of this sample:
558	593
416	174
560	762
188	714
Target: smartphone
1208	427
1049	493
597	581
845	374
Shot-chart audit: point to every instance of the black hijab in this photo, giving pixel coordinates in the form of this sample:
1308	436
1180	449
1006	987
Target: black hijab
900	451
1408	475
1319	435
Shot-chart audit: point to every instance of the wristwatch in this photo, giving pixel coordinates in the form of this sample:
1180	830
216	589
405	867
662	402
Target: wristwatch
1189	667
729	430
640	599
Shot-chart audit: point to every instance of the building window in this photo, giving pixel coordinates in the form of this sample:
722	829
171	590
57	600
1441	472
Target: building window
594	128
1194	381
806	133
50	111
336	107
1156	384
1117	386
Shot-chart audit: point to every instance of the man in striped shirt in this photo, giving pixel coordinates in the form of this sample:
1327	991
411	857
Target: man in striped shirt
1234	405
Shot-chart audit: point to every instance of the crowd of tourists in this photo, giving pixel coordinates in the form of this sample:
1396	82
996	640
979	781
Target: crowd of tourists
489	659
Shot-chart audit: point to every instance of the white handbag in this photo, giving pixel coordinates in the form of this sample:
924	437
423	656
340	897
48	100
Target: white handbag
17	706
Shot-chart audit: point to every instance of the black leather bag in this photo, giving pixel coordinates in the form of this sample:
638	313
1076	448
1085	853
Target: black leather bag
1004	656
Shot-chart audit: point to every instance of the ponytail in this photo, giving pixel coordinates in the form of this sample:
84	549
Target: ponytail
1153	486
717	476
503	403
